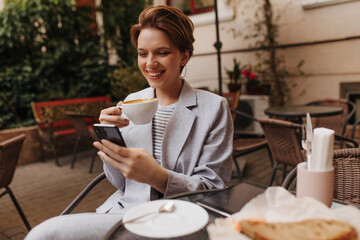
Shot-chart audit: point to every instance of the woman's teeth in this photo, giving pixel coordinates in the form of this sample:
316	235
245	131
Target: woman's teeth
154	74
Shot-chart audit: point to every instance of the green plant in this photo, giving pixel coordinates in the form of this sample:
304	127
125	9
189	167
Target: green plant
118	17
125	79
49	51
251	78
270	67
52	49
234	74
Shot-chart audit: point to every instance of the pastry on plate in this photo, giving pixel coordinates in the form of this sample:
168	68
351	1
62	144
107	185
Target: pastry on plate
319	229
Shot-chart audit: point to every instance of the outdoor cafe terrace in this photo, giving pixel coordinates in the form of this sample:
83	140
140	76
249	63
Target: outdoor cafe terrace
44	189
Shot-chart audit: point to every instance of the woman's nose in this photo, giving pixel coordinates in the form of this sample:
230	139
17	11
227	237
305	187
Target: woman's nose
152	61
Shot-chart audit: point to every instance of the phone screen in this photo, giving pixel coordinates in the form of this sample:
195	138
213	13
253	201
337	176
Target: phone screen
109	132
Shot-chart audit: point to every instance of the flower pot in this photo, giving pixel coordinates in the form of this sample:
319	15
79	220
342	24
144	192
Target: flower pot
234	87
261	89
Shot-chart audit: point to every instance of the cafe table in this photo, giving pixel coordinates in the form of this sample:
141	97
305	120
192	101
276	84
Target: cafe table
218	204
299	111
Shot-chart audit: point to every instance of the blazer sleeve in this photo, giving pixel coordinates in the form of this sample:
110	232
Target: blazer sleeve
114	176
214	165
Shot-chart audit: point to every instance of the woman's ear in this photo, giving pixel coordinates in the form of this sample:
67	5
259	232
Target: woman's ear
185	58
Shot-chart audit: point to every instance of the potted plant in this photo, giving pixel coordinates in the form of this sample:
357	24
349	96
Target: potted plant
234	75
253	85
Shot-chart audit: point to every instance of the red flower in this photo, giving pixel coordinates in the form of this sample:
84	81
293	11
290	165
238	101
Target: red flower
252	76
245	72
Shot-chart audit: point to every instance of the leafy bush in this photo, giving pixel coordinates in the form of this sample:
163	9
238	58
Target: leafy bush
51	49
125	79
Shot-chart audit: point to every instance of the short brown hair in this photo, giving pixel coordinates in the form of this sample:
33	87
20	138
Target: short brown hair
170	20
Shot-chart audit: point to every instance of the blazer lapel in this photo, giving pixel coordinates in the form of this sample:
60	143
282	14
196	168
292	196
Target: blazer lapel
179	127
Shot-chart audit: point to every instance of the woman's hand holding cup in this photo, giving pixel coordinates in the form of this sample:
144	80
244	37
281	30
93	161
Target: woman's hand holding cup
112	115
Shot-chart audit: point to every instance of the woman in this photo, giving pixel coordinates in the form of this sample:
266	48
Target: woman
187	146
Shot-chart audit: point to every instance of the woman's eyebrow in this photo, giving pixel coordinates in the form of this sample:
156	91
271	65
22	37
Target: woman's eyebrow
156	49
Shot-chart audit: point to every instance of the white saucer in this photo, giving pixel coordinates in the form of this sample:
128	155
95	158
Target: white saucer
186	219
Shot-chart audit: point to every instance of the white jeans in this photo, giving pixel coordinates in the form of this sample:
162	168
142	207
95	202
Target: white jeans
77	226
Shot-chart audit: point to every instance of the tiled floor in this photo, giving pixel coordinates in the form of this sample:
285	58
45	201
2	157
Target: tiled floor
44	190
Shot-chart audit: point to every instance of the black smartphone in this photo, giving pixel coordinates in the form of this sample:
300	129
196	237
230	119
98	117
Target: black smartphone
109	132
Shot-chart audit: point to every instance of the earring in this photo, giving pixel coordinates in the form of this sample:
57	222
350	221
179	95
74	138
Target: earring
184	68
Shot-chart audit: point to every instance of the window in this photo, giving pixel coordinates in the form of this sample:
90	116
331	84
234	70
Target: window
309	4
201	12
190	7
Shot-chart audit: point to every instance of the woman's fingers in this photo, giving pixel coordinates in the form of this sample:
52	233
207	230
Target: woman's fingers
112	115
115	151
113	147
119	104
134	163
117	164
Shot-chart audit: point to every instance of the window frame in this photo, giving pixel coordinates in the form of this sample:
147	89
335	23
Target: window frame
310	4
193	10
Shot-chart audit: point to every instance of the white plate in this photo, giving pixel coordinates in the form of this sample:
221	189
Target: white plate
187	218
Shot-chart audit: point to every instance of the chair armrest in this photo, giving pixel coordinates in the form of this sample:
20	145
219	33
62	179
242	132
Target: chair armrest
354	129
83	194
342	138
290	178
237	112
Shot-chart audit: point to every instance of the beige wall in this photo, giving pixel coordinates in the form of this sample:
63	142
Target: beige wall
326	65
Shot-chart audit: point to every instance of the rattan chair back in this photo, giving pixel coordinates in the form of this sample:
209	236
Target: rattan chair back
338	122
245	145
284	143
283	140
347	175
9	156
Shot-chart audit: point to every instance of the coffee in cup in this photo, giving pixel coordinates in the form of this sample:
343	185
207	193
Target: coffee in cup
140	111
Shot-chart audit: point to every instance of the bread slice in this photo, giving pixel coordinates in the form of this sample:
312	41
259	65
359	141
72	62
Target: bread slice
314	229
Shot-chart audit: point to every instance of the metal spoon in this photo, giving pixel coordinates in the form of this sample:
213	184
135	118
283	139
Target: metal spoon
167	207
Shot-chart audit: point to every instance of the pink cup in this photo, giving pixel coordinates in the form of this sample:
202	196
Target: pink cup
315	184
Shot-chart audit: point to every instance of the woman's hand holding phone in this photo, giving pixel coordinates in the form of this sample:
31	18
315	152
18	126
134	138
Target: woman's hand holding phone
109	132
134	163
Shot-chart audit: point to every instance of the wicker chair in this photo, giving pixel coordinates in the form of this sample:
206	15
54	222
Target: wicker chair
9	156
284	144
347	175
243	145
338	122
246	145
83	126
233	99
346	164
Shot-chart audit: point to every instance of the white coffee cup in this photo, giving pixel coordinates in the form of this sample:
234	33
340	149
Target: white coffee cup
140	111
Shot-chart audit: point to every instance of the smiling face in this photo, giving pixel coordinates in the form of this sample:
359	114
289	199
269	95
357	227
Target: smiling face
159	60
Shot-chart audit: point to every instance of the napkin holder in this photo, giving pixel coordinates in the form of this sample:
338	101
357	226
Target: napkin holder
315	184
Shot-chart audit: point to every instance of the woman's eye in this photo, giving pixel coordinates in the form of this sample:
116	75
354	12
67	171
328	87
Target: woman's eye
141	54
163	53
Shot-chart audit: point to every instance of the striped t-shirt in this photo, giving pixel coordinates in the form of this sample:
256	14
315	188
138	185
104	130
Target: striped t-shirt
160	121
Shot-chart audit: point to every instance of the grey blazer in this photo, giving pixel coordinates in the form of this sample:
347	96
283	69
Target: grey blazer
196	150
